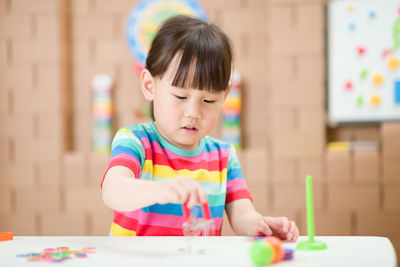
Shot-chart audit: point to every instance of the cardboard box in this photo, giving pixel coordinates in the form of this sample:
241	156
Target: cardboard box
82	8
314	167
17	125
100	222
111	51
59	224
40	7
391	198
281	67
284	171
330	223
296	145
99	27
367	165
353	198
15	28
283	120
31	199
377	223
20	223
35	52
18	175
292	197
6	205
98	164
280	17
87	199
312	121
309	17
48	80
48	27
49	174
17	78
261	199
256	168
391	171
390	133
338	167
74	169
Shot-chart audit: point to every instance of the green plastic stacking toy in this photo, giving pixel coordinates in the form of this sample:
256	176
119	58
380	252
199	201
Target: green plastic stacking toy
311	244
261	253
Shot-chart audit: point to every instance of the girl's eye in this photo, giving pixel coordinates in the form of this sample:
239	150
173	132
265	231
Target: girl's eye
180	97
209	101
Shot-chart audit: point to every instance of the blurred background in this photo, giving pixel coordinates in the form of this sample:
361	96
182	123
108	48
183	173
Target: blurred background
50	176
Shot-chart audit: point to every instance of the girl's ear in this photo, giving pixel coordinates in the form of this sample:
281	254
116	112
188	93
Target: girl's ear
228	89
147	84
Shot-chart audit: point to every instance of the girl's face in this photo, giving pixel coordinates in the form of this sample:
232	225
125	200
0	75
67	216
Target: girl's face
183	116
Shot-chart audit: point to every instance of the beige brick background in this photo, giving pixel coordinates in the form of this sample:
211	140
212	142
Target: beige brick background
49	178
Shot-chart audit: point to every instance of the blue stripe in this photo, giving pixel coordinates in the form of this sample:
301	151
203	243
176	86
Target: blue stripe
176	209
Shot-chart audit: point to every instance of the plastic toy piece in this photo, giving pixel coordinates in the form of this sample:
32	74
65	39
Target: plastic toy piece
359	101
311	244
397	92
269	249
5	236
375	100
196	226
393	63
372	14
361	50
377	79
386	52
348	86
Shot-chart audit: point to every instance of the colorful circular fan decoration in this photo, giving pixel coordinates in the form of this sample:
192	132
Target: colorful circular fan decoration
145	19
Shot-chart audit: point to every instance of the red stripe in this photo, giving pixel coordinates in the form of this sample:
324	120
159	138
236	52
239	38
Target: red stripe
122	162
179	164
151	230
245	193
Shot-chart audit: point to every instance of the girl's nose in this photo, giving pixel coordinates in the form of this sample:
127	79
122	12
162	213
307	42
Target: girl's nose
193	111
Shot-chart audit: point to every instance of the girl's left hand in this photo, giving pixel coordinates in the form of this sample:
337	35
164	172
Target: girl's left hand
278	226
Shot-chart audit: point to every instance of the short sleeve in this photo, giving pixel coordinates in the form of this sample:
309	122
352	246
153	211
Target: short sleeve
126	150
236	185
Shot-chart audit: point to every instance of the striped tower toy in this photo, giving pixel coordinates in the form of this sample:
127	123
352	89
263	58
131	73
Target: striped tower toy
231	131
102	113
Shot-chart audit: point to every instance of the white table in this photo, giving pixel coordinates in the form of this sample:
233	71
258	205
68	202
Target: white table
205	251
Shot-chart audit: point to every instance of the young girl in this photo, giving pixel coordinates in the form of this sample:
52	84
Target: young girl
157	166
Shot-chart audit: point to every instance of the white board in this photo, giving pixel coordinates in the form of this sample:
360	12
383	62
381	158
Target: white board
363	61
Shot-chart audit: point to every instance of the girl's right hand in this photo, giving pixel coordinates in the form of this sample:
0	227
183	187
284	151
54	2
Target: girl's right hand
180	189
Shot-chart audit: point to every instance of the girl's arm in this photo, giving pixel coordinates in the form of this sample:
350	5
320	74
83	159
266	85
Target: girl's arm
245	220
123	192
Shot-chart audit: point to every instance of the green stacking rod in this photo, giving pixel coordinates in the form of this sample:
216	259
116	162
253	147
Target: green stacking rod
310	244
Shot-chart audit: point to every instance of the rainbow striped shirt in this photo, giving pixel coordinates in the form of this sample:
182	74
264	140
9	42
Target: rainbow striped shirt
213	164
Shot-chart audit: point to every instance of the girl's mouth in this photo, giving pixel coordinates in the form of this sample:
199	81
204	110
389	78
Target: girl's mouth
189	129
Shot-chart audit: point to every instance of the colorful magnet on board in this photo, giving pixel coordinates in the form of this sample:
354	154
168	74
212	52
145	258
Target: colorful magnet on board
377	79
386	52
372	14
397	92
375	100
393	63
363	74
361	50
352	26
348	86
350	7
396	34
359	101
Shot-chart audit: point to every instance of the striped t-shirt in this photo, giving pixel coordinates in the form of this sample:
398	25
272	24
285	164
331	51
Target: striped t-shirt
213	164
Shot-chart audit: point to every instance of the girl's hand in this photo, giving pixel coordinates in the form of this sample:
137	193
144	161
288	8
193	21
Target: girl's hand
180	189
277	226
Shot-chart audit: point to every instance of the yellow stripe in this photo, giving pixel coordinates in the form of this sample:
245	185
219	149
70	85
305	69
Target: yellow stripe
123	130
119	231
198	175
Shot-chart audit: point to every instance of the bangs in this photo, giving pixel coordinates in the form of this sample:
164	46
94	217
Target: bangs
202	49
202	67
